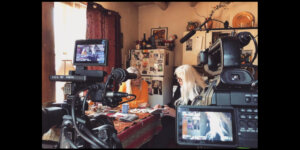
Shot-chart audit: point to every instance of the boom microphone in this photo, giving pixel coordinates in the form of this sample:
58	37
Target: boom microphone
191	33
186	37
116	94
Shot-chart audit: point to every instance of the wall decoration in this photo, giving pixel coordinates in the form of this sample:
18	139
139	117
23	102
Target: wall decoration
189	45
160	35
243	19
149	81
157	87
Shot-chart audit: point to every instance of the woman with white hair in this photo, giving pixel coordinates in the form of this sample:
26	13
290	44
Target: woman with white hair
191	85
137	87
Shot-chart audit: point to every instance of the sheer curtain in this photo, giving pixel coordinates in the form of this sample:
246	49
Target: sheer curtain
69	26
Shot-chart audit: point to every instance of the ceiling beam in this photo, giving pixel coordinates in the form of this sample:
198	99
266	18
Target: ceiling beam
162	5
193	4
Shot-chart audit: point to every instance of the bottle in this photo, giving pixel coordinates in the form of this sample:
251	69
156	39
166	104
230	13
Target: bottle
144	42
153	42
137	46
148	43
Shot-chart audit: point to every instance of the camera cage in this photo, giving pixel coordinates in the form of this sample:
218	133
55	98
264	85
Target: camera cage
77	129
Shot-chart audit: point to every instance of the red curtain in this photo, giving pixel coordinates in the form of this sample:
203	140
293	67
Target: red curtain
105	24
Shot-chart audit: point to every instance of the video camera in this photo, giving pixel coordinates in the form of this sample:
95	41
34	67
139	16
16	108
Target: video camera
77	129
228	114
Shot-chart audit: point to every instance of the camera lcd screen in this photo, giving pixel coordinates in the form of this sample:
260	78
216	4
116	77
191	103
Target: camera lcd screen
91	52
206	126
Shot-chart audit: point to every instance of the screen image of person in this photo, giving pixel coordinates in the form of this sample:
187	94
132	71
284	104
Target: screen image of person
137	87
210	126
219	126
90	53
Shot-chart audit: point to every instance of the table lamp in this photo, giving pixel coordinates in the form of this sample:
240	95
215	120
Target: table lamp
64	69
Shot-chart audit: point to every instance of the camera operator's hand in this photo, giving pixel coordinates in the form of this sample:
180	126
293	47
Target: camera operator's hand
168	111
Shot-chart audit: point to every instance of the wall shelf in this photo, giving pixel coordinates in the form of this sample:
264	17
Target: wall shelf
230	29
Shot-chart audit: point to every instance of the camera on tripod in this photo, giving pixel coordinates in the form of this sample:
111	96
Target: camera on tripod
228	112
77	129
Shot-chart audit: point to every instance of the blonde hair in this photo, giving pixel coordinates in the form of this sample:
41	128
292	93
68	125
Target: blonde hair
191	81
128	82
217	121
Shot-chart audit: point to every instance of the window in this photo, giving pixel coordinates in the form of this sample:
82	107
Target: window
69	26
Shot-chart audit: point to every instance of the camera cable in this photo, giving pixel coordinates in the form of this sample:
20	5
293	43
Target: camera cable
69	140
83	103
88	133
75	125
256	49
129	100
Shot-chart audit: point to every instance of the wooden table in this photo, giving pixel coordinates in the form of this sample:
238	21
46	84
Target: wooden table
138	132
135	134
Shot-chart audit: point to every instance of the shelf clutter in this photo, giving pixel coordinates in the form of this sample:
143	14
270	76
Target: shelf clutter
153	43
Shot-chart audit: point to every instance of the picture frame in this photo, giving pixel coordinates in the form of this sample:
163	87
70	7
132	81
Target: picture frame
160	34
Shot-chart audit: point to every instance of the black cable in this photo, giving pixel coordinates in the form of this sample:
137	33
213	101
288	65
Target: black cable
69	140
88	133
75	125
256	50
129	100
107	81
221	22
84	101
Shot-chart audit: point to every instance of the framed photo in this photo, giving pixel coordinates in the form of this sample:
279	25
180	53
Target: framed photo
160	34
189	45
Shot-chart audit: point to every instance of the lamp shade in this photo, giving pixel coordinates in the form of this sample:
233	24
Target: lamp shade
65	67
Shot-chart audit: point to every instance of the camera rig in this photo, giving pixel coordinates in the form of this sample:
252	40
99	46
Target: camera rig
77	129
231	87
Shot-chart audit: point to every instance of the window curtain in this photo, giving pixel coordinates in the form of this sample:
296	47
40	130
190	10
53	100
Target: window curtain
105	24
48	63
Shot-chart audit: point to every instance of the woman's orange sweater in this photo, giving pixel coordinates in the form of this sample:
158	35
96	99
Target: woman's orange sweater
141	95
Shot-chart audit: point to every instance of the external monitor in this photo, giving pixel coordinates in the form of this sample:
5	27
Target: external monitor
206	126
92	52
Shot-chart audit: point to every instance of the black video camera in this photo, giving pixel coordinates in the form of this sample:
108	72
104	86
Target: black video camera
77	129
228	114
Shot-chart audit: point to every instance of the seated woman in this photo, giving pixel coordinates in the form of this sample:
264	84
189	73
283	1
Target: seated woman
191	85
137	87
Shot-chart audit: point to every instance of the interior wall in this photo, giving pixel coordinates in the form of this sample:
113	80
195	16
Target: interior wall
135	21
178	14
129	24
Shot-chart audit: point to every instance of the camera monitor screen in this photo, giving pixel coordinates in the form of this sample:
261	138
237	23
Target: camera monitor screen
91	52
206	126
